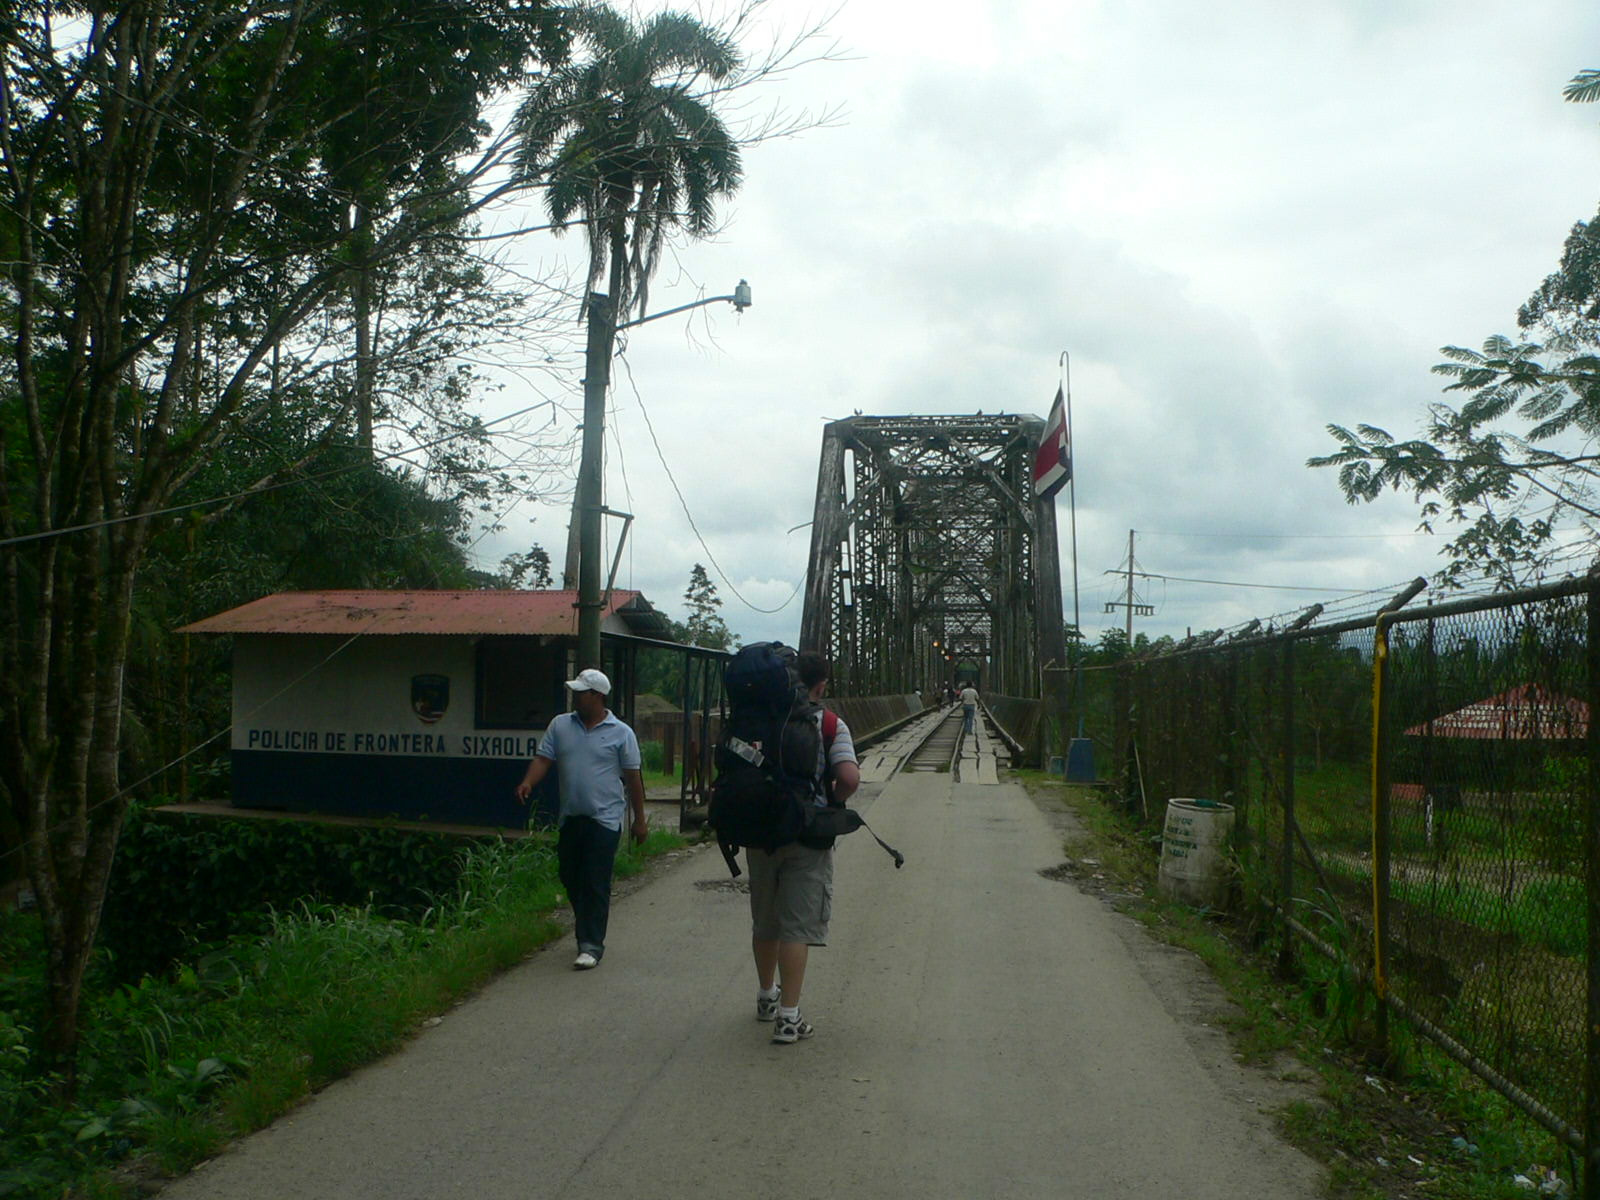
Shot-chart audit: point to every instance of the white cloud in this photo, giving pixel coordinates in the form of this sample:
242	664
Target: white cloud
1245	219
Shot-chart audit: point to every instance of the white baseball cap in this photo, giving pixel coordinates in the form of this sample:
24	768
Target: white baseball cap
590	681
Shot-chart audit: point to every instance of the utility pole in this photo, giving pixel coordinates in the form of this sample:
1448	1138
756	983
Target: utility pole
1128	602
1132	606
596	380
589	501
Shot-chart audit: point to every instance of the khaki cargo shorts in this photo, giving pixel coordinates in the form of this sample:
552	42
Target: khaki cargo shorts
791	894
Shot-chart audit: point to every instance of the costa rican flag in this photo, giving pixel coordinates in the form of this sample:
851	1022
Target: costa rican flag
1052	461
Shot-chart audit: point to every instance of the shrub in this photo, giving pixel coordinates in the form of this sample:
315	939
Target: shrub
181	883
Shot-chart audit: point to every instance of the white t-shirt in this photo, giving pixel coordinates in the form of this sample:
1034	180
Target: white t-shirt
969	697
842	750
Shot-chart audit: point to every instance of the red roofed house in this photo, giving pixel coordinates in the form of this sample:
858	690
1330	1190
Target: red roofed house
417	705
1527	712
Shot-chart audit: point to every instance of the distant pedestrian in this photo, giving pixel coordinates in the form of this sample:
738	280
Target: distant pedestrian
969	708
791	888
597	766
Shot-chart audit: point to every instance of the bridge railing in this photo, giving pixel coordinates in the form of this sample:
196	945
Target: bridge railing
1018	719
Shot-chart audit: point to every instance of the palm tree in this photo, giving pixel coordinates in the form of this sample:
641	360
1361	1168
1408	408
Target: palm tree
623	137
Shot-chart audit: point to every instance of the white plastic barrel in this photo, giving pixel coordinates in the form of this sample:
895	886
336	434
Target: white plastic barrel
1194	852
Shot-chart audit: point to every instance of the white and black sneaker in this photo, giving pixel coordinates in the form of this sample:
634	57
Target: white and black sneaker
766	1010
786	1030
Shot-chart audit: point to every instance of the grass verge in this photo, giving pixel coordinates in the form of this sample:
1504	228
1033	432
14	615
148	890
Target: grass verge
1420	1126
225	1045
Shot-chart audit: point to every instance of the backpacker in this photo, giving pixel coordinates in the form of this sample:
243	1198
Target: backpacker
768	758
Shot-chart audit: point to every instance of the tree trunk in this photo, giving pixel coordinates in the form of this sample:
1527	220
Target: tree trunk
362	299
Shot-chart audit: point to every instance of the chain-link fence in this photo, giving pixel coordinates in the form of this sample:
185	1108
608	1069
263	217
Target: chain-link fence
1416	792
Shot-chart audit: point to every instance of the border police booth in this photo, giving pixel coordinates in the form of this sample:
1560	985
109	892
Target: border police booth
415	705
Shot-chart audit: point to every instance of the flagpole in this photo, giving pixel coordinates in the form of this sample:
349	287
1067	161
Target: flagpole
1072	507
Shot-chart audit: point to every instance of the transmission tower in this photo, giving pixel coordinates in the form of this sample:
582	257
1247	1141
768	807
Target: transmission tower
930	559
1130	603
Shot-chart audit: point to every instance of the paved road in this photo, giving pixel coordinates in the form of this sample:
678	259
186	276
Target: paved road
982	1031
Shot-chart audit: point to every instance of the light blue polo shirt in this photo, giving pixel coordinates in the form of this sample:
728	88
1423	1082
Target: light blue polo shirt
589	766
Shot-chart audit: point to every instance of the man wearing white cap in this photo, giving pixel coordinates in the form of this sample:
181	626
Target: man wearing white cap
597	757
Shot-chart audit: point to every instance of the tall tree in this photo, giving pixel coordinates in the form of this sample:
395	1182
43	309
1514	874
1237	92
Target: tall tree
1514	463
176	250
705	626
624	138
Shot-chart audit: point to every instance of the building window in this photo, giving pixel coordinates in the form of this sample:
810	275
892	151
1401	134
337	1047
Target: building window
521	682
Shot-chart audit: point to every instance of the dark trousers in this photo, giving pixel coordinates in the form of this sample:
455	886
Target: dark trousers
585	850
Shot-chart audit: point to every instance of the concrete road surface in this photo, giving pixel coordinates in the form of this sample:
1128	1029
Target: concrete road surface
982	1031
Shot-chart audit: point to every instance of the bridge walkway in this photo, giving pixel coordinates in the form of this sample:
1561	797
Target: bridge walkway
983	1030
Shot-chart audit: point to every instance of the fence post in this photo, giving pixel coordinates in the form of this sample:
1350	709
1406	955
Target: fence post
1591	857
1380	827
1286	775
1230	736
1380	803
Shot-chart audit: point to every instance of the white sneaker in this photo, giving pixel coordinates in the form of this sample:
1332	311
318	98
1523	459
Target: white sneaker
585	962
786	1031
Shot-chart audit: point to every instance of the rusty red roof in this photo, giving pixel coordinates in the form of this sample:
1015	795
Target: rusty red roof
551	613
1528	712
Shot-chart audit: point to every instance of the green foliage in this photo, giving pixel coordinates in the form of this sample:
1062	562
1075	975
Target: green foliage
178	1062
1511	464
624	136
183	883
273	243
705	626
1553	816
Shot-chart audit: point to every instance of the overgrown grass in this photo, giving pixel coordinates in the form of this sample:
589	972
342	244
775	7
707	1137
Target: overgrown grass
652	756
181	1064
1367	1124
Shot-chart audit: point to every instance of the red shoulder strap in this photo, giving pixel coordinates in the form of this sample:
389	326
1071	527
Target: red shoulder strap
830	727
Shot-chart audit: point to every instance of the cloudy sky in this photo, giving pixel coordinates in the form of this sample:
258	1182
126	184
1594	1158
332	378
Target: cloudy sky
1244	220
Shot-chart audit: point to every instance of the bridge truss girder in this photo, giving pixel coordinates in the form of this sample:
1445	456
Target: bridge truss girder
926	531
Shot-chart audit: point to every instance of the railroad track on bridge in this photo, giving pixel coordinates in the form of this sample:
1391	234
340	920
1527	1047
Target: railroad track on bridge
936	743
937	751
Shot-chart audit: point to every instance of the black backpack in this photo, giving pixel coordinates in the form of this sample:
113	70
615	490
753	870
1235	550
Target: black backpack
768	761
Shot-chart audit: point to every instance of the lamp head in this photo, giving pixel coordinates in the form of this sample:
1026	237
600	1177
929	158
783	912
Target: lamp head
741	296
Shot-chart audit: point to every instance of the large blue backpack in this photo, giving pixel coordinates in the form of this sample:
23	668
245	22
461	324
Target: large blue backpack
767	760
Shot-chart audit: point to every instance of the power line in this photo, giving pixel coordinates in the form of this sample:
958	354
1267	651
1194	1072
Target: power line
1277	587
1333	536
684	504
46	534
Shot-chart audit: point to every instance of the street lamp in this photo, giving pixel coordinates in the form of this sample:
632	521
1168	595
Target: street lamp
597	378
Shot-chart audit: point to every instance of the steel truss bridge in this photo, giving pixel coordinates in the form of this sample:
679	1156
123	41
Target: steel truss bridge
930	559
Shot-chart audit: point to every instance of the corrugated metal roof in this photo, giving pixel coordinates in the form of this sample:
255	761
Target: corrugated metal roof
1529	712
549	613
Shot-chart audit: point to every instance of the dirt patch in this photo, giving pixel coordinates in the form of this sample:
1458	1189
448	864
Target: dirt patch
730	886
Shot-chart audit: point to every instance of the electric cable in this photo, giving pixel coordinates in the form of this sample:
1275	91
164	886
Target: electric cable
46	534
684	504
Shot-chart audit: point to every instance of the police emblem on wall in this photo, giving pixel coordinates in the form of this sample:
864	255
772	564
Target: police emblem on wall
430	696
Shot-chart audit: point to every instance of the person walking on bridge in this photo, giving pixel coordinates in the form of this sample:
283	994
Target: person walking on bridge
791	888
969	708
597	761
